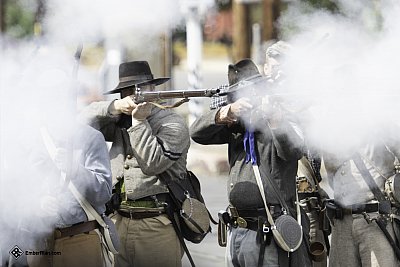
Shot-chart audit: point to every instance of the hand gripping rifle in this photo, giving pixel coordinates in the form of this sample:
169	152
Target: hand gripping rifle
157	96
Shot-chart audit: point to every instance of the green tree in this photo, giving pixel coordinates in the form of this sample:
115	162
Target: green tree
19	18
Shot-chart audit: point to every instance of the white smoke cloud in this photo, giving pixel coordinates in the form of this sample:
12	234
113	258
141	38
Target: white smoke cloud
38	84
97	20
345	67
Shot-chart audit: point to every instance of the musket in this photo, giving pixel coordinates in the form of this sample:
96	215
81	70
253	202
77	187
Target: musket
156	96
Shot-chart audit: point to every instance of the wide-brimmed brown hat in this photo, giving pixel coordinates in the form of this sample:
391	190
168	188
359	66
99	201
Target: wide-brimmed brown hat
244	70
135	73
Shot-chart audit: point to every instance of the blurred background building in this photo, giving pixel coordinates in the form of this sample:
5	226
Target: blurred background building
233	29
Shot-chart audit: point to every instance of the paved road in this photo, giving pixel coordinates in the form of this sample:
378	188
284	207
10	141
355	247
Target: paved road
205	162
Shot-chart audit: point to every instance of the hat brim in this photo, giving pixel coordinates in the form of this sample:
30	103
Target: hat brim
124	85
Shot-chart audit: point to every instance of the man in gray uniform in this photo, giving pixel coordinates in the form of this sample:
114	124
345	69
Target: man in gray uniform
146	141
364	217
277	148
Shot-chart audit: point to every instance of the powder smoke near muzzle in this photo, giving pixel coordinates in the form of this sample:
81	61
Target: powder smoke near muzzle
38	86
344	68
34	94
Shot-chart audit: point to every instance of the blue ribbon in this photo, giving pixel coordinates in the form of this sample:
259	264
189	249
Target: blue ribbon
249	147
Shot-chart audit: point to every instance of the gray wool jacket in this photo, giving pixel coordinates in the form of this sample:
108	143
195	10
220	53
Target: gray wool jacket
278	151
379	155
141	152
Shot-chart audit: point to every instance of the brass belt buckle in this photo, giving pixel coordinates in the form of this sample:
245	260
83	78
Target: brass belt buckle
241	222
233	211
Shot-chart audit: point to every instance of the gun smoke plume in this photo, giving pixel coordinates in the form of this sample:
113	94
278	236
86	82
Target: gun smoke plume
39	84
341	75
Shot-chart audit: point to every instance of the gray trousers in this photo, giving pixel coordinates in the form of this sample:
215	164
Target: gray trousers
244	250
356	243
150	242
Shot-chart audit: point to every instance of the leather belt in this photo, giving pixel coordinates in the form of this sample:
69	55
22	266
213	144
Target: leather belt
250	224
255	213
149	202
358	209
160	197
333	210
76	229
132	214
250	218
140	204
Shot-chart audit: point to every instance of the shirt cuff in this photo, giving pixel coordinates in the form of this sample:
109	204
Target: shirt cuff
110	109
224	116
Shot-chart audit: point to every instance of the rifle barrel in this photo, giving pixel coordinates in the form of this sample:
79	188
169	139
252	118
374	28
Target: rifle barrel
148	96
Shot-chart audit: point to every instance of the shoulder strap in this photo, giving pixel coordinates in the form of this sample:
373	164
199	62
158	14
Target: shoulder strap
91	213
384	204
249	142
366	175
170	212
250	148
269	216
